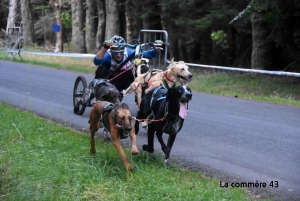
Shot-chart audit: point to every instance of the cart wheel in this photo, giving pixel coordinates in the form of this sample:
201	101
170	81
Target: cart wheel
79	87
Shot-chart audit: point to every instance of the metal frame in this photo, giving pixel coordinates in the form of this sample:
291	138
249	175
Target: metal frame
145	36
13	33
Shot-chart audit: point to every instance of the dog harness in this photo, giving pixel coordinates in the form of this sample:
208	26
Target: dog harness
170	127
154	98
108	108
103	81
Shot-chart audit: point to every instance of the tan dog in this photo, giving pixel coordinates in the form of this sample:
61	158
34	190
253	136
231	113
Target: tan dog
168	78
117	120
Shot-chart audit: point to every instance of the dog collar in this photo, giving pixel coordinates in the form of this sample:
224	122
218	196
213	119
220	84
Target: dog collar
165	74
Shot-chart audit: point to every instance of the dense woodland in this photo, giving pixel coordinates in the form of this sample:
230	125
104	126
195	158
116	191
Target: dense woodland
258	34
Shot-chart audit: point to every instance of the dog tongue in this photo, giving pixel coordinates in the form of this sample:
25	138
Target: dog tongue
183	110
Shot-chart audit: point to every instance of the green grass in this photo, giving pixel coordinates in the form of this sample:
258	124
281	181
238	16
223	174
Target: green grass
273	89
40	160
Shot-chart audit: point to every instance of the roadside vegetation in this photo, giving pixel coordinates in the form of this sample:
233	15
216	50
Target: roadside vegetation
40	160
273	89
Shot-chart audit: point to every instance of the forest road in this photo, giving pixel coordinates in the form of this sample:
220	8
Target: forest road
231	139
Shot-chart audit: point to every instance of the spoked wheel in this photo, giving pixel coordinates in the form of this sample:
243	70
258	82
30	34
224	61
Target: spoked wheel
79	87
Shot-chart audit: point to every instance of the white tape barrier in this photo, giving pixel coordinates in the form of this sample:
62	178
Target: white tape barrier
281	73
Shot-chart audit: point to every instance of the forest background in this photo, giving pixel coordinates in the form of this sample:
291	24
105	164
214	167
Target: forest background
257	34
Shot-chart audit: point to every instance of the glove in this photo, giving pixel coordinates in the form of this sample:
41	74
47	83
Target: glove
106	46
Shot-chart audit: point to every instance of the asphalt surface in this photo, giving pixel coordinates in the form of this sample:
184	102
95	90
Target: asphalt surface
230	139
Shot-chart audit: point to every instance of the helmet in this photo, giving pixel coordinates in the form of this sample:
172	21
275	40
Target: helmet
116	40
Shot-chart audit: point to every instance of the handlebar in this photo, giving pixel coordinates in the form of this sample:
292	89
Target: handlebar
157	43
137	47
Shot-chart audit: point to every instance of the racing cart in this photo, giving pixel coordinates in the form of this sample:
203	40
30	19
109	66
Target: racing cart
80	102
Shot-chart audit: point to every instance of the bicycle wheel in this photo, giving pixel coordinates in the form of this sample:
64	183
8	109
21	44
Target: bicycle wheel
79	87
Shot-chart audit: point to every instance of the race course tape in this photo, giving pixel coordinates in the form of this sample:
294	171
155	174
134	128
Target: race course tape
281	73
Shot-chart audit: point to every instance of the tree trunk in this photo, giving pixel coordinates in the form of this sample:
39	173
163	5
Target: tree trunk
90	25
182	50
56	5
100	36
261	48
78	33
205	51
112	19
215	26
75	27
129	21
28	31
146	23
82	47
137	23
12	14
168	24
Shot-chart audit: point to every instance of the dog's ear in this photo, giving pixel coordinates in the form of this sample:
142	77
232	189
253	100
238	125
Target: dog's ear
169	66
172	60
124	106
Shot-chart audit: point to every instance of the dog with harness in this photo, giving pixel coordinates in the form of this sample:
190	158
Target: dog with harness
143	83
116	120
106	91
169	107
102	90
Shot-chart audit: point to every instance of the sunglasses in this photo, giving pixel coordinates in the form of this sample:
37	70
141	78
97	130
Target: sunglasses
116	53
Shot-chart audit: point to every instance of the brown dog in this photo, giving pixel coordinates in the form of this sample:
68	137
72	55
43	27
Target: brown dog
117	120
168	78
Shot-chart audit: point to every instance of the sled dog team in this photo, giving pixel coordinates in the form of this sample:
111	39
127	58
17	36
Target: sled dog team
161	104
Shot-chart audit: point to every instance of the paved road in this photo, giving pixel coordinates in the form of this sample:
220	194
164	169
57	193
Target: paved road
227	138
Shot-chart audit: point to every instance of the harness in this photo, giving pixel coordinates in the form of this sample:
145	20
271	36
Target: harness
103	81
108	108
171	127
154	98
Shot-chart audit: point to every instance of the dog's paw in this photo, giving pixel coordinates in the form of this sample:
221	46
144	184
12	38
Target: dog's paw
167	164
146	148
134	150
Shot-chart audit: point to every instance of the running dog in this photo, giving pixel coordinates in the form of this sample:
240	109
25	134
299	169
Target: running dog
102	90
143	83
105	91
169	108
117	121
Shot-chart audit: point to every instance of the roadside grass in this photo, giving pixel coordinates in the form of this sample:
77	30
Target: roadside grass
40	160
273	89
